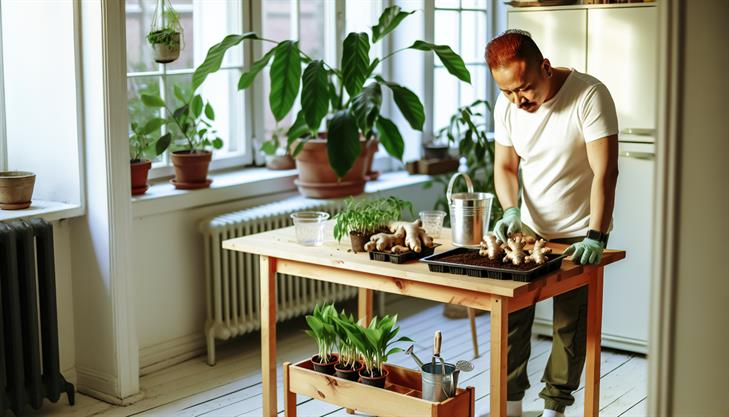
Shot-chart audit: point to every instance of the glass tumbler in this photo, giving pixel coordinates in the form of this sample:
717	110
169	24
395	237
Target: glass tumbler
432	222
309	226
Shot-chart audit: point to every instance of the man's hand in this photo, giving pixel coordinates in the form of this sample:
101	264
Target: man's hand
509	224
589	251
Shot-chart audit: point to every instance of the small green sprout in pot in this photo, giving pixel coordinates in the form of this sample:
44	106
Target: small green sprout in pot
349	364
361	218
322	329
144	146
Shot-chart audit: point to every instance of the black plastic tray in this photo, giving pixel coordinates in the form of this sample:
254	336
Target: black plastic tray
436	265
401	258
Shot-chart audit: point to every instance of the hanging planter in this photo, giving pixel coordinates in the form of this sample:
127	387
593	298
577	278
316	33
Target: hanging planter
165	36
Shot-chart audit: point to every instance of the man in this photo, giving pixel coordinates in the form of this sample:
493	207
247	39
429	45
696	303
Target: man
560	127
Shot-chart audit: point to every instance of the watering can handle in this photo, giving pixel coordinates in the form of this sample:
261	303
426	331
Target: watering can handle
469	184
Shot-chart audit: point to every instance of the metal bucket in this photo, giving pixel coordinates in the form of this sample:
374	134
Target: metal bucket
470	213
437	387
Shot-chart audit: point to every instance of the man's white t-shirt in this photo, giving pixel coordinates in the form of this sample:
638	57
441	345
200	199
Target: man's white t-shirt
551	142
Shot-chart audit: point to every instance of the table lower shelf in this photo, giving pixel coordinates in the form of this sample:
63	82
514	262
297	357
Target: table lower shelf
400	395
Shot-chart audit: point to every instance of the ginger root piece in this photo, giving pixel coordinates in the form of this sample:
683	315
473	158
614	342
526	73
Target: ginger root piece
399	249
491	246
385	241
526	238
538	255
515	250
415	236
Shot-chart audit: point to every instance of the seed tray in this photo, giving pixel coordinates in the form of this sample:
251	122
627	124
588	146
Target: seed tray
435	264
401	258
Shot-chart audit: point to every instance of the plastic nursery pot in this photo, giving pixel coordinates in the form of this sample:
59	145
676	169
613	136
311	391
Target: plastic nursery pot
327	367
139	170
348	373
375	381
16	189
358	241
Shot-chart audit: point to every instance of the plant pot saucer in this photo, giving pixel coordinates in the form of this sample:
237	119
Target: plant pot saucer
372	176
330	190
15	206
191	185
140	190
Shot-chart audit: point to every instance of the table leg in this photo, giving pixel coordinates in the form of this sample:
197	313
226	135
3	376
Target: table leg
268	334
474	335
499	352
364	305
290	397
594	331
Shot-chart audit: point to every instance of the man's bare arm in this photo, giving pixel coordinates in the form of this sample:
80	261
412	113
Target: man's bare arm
602	155
506	176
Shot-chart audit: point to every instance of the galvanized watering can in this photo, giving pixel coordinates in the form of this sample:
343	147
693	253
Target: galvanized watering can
470	213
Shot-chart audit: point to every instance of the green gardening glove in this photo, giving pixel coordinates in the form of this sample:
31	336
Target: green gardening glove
509	224
589	251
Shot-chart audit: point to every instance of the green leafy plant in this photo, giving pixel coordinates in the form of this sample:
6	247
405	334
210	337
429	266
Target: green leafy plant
166	26
368	216
348	353
467	128
191	122
142	143
322	329
277	145
350	97
375	341
169	37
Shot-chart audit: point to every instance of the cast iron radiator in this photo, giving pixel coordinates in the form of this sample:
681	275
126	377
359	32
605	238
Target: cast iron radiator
29	358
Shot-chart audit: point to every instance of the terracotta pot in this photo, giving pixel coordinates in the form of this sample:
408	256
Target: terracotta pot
140	170
349	373
16	189
280	162
325	368
191	169
318	180
372	146
376	381
436	151
165	54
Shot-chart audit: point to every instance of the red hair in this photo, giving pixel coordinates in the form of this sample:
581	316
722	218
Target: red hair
511	45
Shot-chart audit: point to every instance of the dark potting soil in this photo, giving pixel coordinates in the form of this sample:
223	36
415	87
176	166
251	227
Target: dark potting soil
473	258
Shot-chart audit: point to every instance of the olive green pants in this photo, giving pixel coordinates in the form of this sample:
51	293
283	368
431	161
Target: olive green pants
563	370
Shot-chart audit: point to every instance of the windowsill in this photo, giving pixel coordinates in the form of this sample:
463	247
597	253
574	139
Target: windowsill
48	210
163	197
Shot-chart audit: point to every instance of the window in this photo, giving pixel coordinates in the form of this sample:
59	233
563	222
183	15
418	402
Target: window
205	23
461	24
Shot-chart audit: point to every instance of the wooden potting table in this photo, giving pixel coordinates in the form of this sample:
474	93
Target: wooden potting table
335	262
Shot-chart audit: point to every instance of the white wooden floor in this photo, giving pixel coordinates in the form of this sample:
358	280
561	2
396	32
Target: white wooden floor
233	386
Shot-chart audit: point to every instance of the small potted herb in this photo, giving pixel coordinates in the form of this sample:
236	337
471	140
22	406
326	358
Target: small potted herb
16	189
349	364
322	329
165	34
191	123
276	151
361	218
375	343
143	147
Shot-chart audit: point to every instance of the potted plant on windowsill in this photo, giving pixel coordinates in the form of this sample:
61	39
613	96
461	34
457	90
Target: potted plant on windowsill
191	123
142	149
276	151
165	36
375	343
16	189
361	218
322	330
348	97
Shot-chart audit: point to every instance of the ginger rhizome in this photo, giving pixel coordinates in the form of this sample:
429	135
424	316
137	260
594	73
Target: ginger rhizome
415	236
385	241
538	255
515	250
491	247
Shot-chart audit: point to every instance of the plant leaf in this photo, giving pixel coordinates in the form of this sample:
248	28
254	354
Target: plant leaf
215	55
451	60
355	61
366	106
152	100
197	106
217	143
372	66
162	143
285	78
179	94
247	78
390	137
408	103
209	113
152	125
343	142
314	94
389	20
269	147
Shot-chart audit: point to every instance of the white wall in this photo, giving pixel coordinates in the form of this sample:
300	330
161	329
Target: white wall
701	336
64	298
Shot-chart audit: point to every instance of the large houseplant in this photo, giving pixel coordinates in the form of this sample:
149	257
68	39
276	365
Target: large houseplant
348	96
143	147
361	218
191	124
